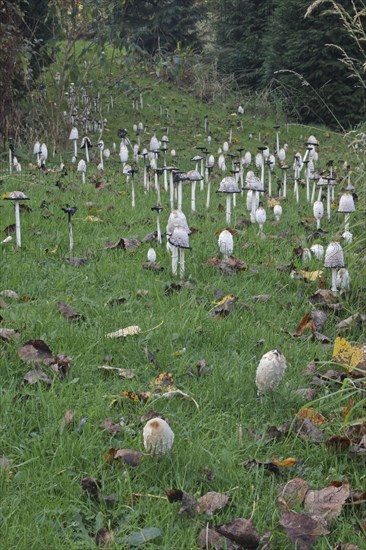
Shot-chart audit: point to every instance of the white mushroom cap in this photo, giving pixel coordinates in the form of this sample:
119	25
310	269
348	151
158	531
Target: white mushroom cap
228	185
270	371
248	157
74	134
297	161
348	237
306	255
44	152
260	215
221	162
346	204
272	161
225	146
173	153
318	210
158	437
282	154
318	251
154	144
210	161
176	219
241	110
266	153
179	237
334	255
126	169
226	242
151	255
313	155
253	182
258	160
140	126
36	148
16	195
194	175
312	139
81	166
106	153
277	210
123	152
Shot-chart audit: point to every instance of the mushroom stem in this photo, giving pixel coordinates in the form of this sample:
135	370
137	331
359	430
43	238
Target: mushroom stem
254	206
208	197
307	184
86	151
157	187
174	260
101	159
228	208
202	184
334	279
71	238
318	223
10	161
296	189
158	229
234	200
132	193
180	193
165	180
346	222
328	202
277	141
284	183
193	197
269	182
75	148
181	262
17	224
313	192
171	191
145	178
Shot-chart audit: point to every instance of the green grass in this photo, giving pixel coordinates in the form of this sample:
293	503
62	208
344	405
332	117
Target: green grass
42	502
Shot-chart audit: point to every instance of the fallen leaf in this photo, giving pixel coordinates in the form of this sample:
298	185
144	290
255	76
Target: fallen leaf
150	237
302	529
311	276
228	265
60	364
125	244
294	491
124	332
124	373
347	354
327	502
242	532
163	382
347	323
110	426
69	312
211	502
176	287
315	417
9	334
136	397
324	296
152	266
286	463
37	375
306	323
90	486
69	418
104	537
318	318
116	301
224	307
208	537
338	442
128	456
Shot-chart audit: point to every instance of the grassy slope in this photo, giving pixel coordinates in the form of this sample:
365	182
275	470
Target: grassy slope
42	504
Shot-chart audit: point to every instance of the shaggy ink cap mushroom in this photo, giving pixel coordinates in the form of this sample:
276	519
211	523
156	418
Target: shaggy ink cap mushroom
158	437
180	238
253	183
334	257
228	185
346	204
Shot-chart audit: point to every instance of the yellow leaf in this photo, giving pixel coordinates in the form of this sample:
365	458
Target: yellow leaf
163	382
347	354
311	275
52	250
123	332
311	414
224	300
271	202
286	463
93	219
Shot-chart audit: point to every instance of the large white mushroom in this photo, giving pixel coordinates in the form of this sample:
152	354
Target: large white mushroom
260	218
179	241
226	243
74	136
318	211
317	250
334	259
346	207
270	371
82	168
343	279
158	437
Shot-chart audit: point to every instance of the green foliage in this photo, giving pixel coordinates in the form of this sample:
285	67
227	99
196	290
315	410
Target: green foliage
240	30
153	25
299	45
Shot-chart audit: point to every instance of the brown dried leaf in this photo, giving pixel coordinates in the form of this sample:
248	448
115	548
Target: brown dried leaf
306	323
262	298
327	502
90	486
128	456
302	529
318	318
324	296
104	537
68	418
60	364
9	334
110	426
37	375
211	502
150	237
294	491
176	287
209	538
315	417
69	312
153	266
361	447
347	323
35	351
242	532
229	265
189	505
338	442
224	307
125	244
124	373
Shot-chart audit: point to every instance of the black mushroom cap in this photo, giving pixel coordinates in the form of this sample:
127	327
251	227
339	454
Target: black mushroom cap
157	208
70	210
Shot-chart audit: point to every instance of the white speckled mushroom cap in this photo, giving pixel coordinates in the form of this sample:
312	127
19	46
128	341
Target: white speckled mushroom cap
176	219
334	255
194	175
260	215
318	210
74	134
179	237
154	144
277	210
226	242
253	182
158	437
346	204
248	157
317	250
16	195
228	185
81	166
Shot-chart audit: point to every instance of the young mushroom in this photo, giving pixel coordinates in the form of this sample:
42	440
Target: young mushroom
346	207
277	211
151	255
17	196
74	136
318	211
158	437
270	371
82	168
317	250
334	259
260	218
226	243
343	279
228	186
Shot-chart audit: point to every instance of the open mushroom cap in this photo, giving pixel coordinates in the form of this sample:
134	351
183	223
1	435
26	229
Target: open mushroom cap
346	204
194	175
228	185
252	182
179	237
85	141
177	219
16	195
334	255
196	158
